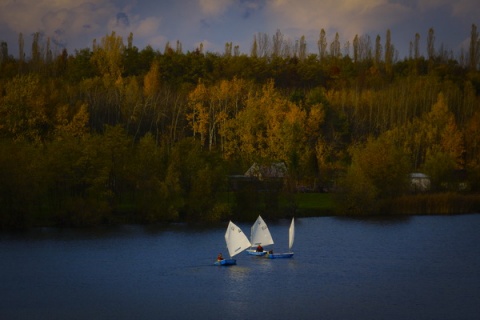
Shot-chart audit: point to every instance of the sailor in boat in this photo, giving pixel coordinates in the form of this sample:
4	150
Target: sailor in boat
220	257
259	248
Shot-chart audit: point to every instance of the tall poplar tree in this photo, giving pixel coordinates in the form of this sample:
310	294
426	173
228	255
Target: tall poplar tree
254	49
277	42
388	52
335	47
302	53
322	45
355	48
378	50
21	51
431	44
474	50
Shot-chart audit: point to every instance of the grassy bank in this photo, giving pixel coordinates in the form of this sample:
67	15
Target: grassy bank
320	204
433	204
314	204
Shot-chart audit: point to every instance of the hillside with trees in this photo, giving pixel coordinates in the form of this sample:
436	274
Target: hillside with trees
117	134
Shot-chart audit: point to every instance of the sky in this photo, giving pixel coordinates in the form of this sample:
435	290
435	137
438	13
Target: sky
73	24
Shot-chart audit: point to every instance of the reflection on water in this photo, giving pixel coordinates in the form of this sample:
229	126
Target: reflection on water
343	268
379	220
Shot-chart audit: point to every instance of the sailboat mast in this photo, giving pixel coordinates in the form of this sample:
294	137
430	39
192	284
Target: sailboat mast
291	234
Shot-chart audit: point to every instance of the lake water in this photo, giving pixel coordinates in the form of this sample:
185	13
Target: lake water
404	268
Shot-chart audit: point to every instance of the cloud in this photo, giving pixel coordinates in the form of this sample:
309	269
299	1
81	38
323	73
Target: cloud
250	7
62	20
214	7
75	23
350	17
45	15
466	8
148	27
458	8
122	20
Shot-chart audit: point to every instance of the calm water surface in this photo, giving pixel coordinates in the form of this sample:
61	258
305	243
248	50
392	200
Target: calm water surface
406	268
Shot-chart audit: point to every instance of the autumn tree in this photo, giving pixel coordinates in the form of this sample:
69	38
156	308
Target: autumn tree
108	57
23	109
71	122
210	109
445	144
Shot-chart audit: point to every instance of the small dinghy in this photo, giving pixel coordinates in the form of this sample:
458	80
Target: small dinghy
259	236
236	241
291	236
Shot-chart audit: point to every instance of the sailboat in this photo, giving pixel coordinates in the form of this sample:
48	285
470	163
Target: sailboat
291	236
260	235
236	241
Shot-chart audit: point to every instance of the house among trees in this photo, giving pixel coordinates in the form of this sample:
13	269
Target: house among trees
419	182
276	170
460	180
260	177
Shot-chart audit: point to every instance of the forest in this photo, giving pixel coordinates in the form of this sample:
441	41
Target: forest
116	134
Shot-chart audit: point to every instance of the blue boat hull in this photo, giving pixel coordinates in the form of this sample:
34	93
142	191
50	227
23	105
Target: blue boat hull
256	253
280	255
226	262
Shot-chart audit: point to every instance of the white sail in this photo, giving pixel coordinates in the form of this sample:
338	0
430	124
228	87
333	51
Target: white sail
236	240
291	234
260	233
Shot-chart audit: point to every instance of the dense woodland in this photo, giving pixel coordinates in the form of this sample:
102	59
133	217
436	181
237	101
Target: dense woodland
115	134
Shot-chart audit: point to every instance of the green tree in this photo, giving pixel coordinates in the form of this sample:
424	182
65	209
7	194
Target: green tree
379	170
200	178
21	185
156	190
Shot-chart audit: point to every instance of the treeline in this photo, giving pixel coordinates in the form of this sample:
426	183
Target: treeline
114	134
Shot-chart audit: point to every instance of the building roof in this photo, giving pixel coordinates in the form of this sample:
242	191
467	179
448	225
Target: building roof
275	170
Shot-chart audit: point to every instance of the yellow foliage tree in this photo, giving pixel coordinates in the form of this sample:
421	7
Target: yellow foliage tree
107	57
442	134
23	109
77	126
270	127
211	107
